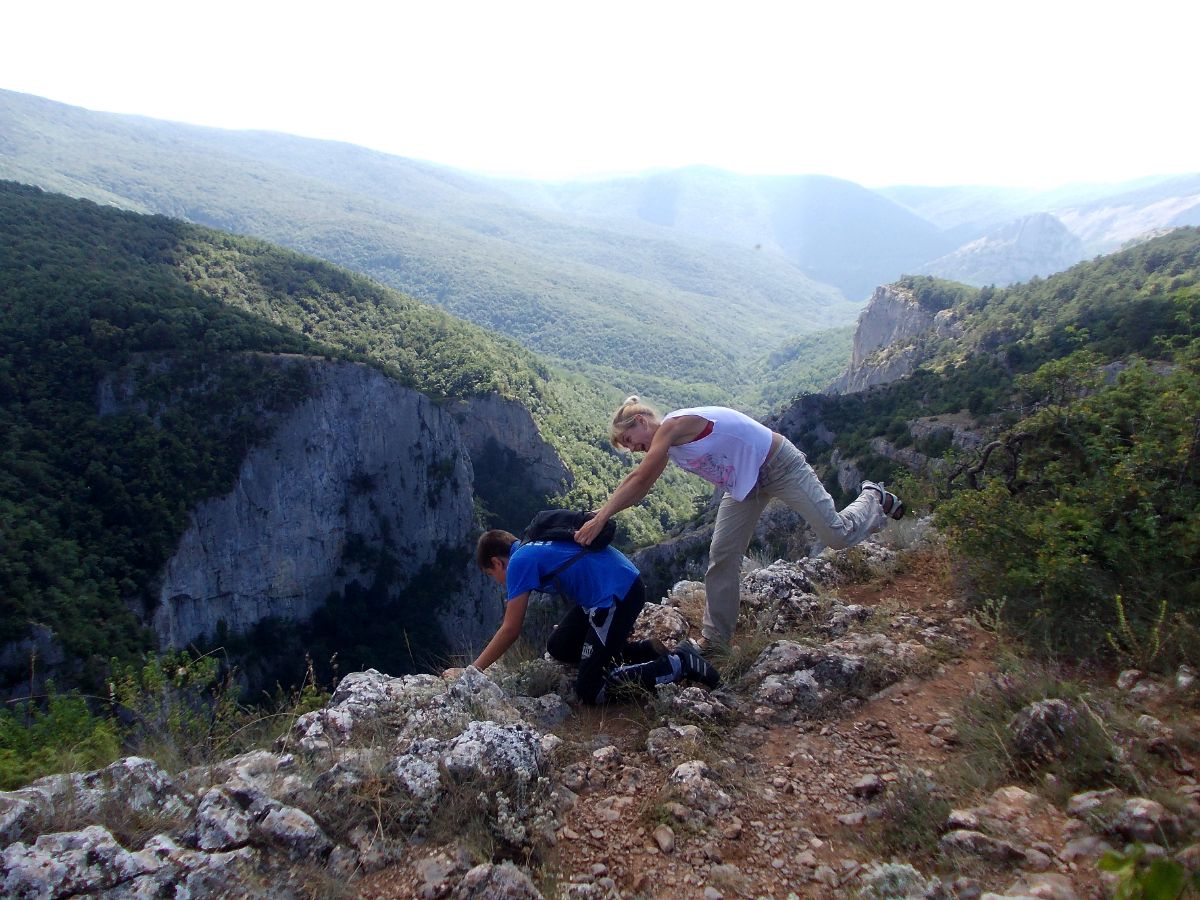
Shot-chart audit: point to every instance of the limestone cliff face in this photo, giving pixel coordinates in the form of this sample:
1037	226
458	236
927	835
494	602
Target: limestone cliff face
363	462
885	345
515	468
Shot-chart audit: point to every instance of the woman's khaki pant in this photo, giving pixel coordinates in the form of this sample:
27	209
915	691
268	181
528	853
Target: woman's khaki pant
789	477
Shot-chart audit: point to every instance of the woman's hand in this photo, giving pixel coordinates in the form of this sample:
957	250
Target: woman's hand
590	529
451	674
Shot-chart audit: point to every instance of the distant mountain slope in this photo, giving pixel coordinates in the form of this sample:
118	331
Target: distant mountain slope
1102	216
1108	222
833	230
668	305
1035	245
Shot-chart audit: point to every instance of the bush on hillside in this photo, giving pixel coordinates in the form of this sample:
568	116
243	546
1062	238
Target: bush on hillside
1102	503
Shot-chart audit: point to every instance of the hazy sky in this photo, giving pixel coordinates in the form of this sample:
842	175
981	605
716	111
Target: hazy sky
1014	93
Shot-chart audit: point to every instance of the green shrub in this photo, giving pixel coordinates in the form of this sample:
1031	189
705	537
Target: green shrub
912	815
62	736
989	758
181	708
1139	878
1100	503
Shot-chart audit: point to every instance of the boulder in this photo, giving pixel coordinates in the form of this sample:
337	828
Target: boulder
495	882
691	782
1148	821
73	862
975	843
1049	730
661	622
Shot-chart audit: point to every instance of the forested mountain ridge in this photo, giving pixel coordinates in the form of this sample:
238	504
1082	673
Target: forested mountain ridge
1054	427
690	313
94	495
682	285
834	230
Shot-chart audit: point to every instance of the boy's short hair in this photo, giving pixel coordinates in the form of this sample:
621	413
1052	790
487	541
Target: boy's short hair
492	544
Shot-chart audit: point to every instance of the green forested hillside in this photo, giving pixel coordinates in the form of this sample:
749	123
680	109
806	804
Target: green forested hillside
91	505
682	310
1125	303
1078	527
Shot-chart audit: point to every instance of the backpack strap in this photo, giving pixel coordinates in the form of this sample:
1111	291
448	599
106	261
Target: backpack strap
559	569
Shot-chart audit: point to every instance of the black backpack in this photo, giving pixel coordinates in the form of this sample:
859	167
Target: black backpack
561	525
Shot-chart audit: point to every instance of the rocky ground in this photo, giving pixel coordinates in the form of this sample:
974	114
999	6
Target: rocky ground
870	740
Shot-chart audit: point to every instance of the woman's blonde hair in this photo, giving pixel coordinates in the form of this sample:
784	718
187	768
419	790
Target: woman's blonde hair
623	420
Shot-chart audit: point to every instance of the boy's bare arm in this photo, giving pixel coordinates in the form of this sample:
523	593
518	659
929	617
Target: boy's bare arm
505	636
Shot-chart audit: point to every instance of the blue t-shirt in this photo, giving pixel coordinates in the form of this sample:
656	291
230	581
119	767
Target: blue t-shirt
597	580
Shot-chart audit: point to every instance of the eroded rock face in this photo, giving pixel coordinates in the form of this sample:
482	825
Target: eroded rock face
883	342
365	460
505	445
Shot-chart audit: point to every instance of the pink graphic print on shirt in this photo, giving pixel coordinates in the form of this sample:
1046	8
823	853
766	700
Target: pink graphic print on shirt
714	469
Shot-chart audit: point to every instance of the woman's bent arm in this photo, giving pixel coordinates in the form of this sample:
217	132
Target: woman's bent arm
637	484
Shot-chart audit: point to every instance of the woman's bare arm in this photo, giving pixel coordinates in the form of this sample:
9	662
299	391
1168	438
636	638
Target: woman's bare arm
637	484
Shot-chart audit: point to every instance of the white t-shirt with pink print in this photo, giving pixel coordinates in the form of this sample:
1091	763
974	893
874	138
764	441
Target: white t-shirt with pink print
730	455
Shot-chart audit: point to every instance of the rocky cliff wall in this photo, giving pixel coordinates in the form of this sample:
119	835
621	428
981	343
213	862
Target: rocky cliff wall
516	470
885	348
363	462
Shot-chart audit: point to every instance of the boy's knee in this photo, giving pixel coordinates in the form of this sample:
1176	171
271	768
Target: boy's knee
560	651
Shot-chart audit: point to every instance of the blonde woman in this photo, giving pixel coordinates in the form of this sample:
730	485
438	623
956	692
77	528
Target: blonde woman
752	464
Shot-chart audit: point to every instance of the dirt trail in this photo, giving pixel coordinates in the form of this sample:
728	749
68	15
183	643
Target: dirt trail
792	781
798	819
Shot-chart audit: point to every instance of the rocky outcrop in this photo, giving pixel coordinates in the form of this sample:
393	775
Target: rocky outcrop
958	429
235	827
395	784
884	349
1037	245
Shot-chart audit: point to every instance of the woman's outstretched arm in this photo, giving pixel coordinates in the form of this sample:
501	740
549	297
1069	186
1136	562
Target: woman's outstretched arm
637	484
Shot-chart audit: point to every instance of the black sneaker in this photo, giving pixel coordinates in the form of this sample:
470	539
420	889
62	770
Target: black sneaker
695	667
706	648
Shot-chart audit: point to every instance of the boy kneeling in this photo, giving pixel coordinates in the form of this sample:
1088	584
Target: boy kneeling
608	594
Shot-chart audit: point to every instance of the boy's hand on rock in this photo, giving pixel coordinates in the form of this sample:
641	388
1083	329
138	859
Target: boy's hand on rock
451	674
